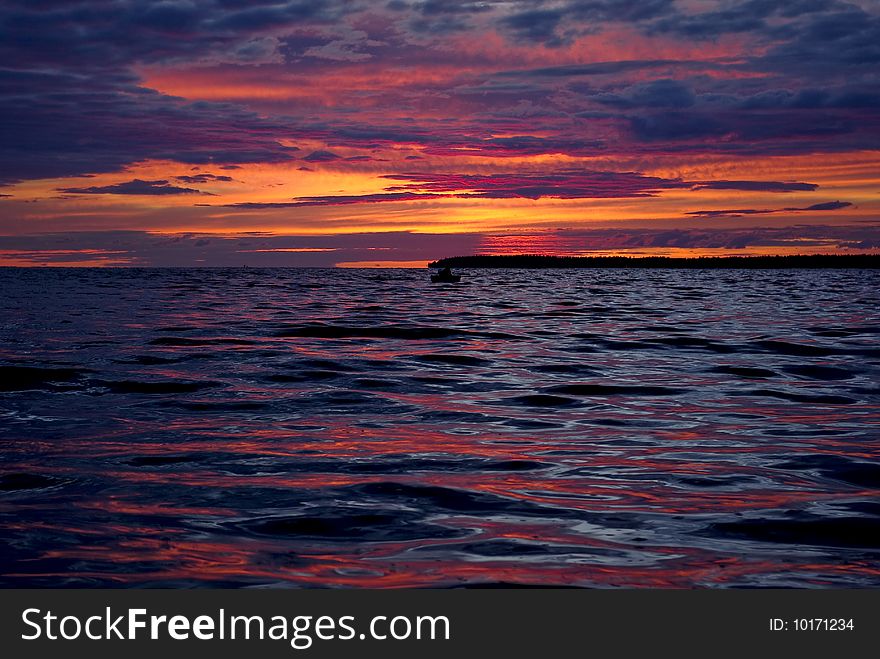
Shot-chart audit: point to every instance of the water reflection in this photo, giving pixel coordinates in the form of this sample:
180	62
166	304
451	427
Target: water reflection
363	428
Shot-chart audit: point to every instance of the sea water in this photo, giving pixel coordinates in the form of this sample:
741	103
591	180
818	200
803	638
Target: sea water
366	428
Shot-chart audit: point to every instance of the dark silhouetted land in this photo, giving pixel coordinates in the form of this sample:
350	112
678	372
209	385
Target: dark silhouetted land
820	261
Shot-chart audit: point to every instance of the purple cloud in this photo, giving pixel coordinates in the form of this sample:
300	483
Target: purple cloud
738	212
141	248
757	186
72	100
338	200
136	187
561	184
733	212
203	178
321	156
179	250
826	206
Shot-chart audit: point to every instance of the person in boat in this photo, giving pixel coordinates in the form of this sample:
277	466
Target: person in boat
445	275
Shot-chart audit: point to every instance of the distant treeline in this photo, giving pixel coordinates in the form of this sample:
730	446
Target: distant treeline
871	261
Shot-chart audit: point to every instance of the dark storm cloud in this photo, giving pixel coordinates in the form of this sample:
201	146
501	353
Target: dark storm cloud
596	69
815	19
295	45
735	17
675	126
261	15
439	17
71	103
619	10
69	139
786	109
55	124
812	98
135	187
437	7
556	25
847	34
662	93
708	130
808	49
536	25
113	34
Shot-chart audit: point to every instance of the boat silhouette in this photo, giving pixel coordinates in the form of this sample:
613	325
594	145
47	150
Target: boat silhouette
445	276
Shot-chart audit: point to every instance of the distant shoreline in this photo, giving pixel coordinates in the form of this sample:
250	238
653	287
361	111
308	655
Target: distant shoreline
539	261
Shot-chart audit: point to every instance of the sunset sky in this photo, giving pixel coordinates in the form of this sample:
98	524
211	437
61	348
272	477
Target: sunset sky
233	132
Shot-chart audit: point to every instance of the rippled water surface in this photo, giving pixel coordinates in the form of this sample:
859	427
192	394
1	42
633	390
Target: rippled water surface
362	428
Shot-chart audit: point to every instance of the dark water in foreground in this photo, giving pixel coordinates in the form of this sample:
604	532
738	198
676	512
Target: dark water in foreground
365	428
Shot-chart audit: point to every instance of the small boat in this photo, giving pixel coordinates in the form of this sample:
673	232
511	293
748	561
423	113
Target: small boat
445	279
